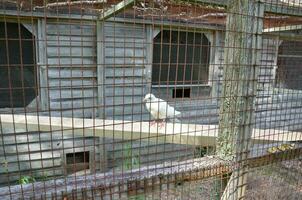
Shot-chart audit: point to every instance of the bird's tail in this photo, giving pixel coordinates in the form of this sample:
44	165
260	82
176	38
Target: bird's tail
177	113
176	119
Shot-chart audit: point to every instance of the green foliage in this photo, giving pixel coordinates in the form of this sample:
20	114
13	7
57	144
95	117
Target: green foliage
204	151
43	177
137	197
26	179
131	159
200	152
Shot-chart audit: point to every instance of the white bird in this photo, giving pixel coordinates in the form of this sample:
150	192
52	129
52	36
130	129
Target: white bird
159	109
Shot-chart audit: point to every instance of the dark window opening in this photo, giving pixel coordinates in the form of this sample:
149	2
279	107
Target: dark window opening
77	161
180	58
17	66
289	70
181	93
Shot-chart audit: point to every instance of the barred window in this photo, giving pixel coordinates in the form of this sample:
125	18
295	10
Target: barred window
180	58
17	66
289	72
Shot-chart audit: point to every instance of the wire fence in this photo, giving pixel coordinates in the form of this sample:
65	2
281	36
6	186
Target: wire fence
196	99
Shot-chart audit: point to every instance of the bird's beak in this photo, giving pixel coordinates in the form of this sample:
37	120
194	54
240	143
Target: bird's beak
144	100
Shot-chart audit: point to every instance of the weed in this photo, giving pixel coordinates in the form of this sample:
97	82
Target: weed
26	179
137	197
131	160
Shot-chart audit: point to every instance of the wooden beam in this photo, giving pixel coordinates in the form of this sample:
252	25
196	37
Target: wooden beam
120	182
292	2
222	3
42	65
27	17
103	16
269	7
178	133
143	178
177	25
36	15
115	9
243	37
70	3
285	36
283	9
283	28
149	56
100	68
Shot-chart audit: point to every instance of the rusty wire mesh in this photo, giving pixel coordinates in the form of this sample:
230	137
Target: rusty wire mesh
78	121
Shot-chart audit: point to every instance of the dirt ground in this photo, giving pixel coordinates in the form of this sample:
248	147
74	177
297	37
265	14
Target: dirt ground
281	181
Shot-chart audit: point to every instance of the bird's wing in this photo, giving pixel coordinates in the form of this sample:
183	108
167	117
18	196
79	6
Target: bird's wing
154	108
166	110
177	113
171	112
160	109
